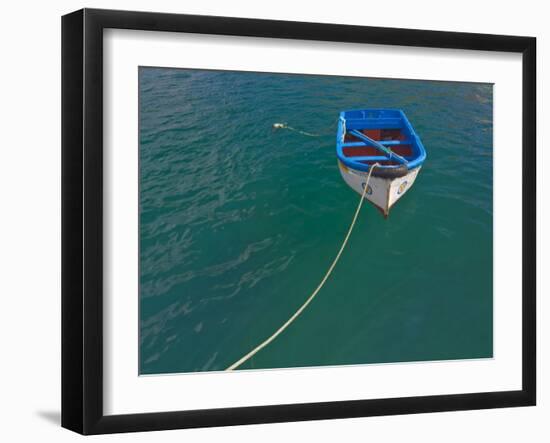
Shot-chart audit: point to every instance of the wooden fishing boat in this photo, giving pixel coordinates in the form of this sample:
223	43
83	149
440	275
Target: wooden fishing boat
383	136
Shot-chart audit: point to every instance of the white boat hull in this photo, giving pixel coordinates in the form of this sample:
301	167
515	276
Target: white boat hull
382	192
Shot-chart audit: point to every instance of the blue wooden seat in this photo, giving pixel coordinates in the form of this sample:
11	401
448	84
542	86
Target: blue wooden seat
382	142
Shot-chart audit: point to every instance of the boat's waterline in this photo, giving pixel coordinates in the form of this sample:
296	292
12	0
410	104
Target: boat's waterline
382	192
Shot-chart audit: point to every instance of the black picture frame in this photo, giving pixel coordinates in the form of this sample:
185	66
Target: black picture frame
82	220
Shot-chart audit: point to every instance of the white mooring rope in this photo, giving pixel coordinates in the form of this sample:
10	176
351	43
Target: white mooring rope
312	296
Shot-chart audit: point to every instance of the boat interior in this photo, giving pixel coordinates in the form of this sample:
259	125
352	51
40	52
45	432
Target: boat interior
388	128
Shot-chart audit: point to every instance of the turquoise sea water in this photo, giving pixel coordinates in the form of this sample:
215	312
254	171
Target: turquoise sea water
239	223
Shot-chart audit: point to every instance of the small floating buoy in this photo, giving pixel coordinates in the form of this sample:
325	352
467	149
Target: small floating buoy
290	128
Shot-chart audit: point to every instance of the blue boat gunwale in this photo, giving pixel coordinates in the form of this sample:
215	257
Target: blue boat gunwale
396	119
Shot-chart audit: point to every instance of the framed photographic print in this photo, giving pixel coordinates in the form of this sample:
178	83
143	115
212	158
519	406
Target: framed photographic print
270	221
